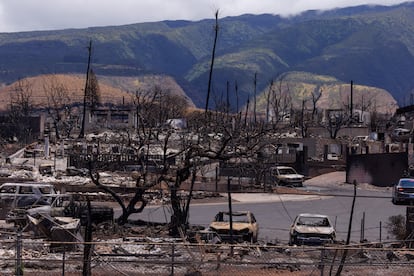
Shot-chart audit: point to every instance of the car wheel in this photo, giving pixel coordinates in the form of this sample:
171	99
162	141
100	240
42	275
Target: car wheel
395	201
254	238
251	238
292	240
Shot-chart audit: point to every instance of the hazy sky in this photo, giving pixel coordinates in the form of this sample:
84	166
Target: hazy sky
30	15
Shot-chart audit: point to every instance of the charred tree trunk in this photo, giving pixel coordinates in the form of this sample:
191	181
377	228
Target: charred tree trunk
131	209
126	210
179	218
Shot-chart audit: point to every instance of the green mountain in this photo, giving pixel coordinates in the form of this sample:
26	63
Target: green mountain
371	45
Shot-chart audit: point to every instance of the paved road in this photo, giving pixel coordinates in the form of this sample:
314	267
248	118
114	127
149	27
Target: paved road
276	212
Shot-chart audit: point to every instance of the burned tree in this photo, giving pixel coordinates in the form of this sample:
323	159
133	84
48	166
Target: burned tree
127	209
279	101
20	109
307	116
336	120
316	95
150	144
58	106
210	139
92	93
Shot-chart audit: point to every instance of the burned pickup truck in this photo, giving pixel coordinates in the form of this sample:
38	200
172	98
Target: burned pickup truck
244	226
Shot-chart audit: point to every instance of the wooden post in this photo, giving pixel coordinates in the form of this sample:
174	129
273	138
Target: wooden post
230	216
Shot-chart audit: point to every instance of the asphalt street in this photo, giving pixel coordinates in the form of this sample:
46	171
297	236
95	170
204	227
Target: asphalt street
275	213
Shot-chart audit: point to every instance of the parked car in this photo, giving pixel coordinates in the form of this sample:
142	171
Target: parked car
401	134
332	156
245	226
311	229
403	191
287	176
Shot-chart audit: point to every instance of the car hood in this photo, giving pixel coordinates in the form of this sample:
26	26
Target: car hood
226	225
313	229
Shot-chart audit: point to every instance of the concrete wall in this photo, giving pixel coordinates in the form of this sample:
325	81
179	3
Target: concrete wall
381	169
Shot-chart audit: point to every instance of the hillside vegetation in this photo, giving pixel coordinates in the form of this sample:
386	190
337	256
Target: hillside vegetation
371	45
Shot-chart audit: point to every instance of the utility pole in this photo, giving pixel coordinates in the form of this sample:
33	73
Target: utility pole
268	101
236	89
82	131
255	88
230	215
351	105
216	29
348	237
227	98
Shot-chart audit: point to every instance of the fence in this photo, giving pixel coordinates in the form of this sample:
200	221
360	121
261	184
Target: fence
130	256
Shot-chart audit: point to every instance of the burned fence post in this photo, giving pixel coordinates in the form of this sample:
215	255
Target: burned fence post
380	231
63	260
19	264
172	257
87	249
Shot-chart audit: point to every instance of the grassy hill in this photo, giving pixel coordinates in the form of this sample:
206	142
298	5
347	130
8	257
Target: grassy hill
371	45
335	93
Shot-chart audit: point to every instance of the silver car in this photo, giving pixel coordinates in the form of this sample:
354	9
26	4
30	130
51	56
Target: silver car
403	191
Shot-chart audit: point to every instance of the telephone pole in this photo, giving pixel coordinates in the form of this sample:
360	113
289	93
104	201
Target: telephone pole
82	131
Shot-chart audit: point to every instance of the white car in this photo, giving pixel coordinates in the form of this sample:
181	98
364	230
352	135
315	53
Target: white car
287	176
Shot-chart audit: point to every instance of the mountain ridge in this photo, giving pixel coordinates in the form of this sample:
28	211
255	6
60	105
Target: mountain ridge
372	45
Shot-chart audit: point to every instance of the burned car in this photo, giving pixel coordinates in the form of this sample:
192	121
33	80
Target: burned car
25	195
204	236
244	226
16	198
287	176
311	229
